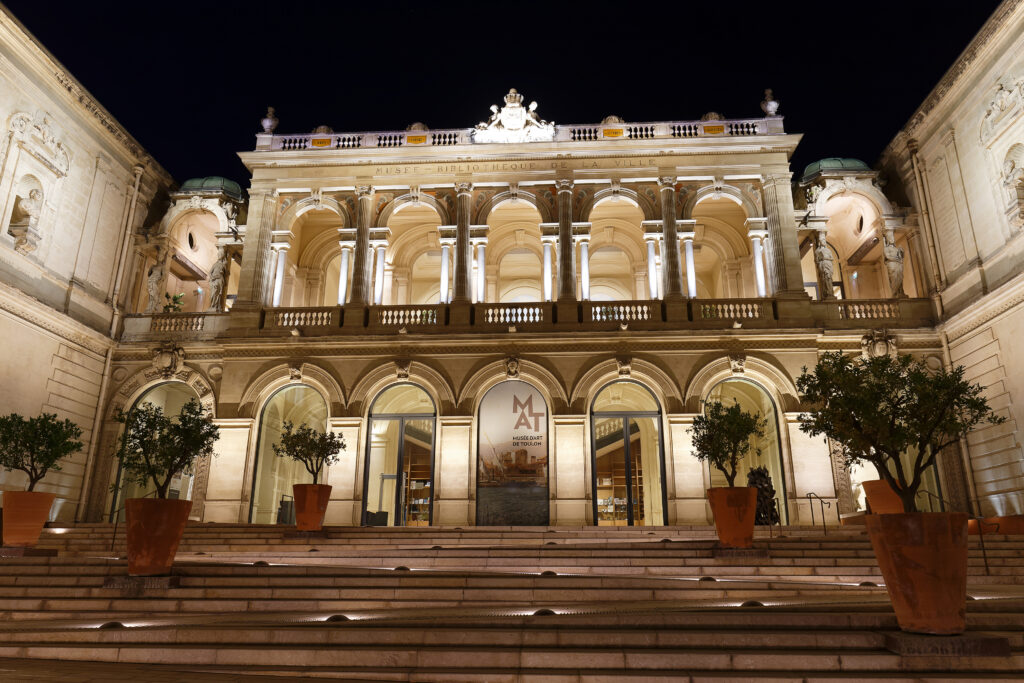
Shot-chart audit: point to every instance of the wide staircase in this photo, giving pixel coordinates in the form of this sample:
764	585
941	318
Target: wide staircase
487	604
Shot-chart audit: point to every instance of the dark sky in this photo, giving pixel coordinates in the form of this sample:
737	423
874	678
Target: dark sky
191	80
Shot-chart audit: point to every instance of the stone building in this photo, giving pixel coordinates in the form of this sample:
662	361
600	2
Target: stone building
516	323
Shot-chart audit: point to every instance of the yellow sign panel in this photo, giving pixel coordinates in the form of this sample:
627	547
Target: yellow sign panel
714	130
612	132
320	142
415	139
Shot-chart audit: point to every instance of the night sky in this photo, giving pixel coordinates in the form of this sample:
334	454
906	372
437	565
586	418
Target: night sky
191	80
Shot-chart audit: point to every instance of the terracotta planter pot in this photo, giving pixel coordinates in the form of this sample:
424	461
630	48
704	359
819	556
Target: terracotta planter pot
310	505
155	527
882	499
734	509
923	558
25	514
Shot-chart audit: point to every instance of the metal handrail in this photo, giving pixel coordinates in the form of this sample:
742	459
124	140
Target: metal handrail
978	519
117	520
822	503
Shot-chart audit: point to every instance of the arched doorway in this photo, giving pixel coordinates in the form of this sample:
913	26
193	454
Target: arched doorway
627	461
398	480
767	452
272	501
169	397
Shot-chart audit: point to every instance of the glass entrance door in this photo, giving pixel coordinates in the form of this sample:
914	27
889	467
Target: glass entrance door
399	477
626	471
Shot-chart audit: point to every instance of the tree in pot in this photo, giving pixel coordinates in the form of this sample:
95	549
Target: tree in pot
721	437
34	446
315	450
896	414
154	449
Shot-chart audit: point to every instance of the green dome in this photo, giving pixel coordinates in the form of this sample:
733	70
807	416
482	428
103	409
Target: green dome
834	165
214	183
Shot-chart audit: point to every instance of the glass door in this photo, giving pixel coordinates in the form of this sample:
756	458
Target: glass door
399	474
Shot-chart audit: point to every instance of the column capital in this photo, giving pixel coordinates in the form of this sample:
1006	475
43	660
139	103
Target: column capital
687	235
755	223
364	191
347	234
819	223
777	178
564	184
463	187
757	234
667	182
347	245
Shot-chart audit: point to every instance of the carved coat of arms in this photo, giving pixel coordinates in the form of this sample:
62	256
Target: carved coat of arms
514	123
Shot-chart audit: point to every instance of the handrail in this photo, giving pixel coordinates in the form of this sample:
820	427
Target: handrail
822	503
980	520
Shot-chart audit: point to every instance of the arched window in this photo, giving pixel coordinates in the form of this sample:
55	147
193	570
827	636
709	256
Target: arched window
398	480
766	452
170	397
628	466
272	501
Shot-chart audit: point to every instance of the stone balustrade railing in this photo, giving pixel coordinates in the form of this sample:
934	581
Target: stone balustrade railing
563	133
546	317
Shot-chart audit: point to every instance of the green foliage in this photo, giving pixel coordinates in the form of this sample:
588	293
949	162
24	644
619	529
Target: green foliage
721	436
760	479
877	408
174	303
36	445
157	447
312	448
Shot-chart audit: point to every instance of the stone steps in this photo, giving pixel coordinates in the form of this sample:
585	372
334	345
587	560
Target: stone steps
448	604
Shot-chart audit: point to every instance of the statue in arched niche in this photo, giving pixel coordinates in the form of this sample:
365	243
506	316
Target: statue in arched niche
825	266
155	282
217	280
893	265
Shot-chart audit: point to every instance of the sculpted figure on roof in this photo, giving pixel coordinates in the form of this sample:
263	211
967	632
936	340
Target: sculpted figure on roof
513	123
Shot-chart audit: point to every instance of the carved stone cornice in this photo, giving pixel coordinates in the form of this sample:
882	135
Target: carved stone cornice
30	310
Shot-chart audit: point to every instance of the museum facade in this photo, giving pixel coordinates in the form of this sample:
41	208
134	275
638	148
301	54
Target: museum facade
516	323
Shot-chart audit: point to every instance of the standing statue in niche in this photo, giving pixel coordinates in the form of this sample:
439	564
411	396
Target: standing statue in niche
894	265
823	262
217	278
155	282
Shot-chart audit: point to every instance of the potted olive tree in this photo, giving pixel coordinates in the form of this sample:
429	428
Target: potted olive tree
314	449
721	437
154	449
34	446
879	409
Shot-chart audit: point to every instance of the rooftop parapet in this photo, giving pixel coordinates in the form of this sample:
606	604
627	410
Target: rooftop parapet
514	123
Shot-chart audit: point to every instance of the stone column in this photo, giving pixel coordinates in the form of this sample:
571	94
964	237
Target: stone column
691	272
463	249
652	265
481	272
346	251
257	262
585	268
757	233
282	262
785	250
566	260
445	249
378	278
546	244
361	258
670	256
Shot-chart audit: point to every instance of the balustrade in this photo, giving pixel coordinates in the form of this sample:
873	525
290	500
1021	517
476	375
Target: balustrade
868	310
400	316
733	309
622	311
512	314
566	133
303	317
177	322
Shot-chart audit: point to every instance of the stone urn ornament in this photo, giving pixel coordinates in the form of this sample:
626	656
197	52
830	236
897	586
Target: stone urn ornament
770	105
269	122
